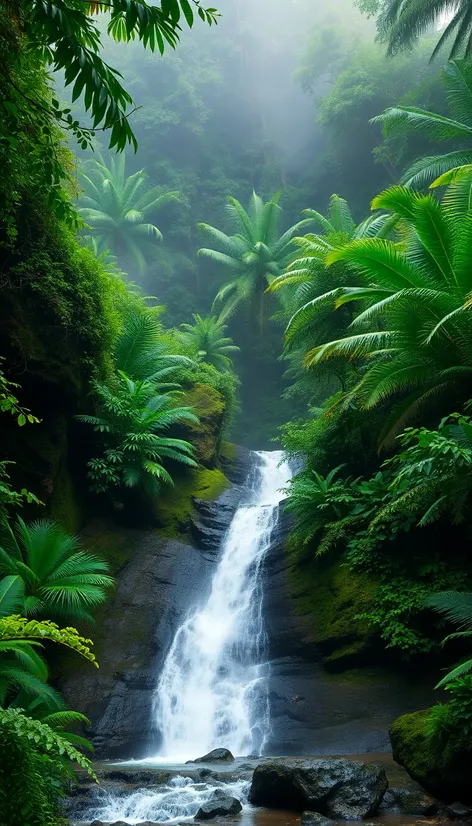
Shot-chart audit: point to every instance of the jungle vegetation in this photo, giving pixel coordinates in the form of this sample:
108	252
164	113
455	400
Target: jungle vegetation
330	315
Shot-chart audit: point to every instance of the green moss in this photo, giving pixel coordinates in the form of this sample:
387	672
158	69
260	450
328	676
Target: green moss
445	773
410	743
228	451
175	506
64	507
210	407
330	596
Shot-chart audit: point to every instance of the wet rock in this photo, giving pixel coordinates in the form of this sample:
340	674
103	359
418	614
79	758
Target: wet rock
204	773
219	805
339	789
446	776
215	756
315	819
458	810
409	802
117	823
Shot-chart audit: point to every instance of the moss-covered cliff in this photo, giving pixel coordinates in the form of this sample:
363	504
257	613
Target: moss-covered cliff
330	597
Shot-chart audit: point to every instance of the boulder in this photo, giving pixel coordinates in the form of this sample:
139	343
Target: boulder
219	805
445	775
215	756
409	802
315	819
337	788
457	810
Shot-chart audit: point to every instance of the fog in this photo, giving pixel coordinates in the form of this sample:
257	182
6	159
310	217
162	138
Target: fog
276	98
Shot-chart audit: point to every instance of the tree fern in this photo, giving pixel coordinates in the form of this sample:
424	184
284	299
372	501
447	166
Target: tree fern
115	207
59	578
133	422
253	256
412	330
402	120
207	341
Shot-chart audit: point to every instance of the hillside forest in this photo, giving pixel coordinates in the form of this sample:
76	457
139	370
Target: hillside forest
249	225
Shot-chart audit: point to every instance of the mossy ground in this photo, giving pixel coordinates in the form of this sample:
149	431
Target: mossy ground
330	596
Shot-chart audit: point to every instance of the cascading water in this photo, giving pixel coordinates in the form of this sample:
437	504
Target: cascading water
213	689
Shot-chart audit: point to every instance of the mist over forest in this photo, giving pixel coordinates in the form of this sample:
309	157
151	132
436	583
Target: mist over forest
273	101
236	411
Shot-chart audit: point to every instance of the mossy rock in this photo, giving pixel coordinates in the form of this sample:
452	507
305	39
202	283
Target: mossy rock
330	596
174	508
446	774
210	407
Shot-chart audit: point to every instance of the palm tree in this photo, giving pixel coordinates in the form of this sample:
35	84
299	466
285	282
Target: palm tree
307	278
133	420
404	21
254	256
60	579
401	120
142	352
115	206
457	608
415	327
206	339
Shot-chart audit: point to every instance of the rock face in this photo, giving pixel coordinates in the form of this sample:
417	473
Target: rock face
158	579
216	756
313	711
339	789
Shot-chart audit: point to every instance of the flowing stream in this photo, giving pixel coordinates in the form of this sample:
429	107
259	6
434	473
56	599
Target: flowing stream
212	690
213	687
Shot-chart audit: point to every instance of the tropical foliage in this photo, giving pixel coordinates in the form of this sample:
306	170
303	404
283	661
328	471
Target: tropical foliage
35	764
60	579
115	207
414	328
66	36
402	22
253	256
457	608
134	421
143	352
206	339
403	120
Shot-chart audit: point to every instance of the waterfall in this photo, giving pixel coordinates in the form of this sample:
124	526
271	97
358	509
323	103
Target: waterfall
213	687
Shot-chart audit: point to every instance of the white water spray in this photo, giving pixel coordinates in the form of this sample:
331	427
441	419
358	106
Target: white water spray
213	688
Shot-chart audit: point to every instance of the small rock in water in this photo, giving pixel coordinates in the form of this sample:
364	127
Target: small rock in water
457	810
409	802
315	819
215	756
117	823
218	806
218	794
